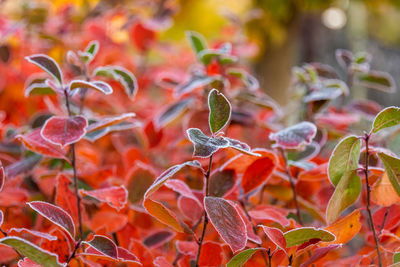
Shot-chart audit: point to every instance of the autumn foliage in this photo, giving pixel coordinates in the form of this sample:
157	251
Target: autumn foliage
110	158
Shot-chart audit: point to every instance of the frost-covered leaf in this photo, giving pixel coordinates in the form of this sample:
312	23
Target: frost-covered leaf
182	188
250	81
172	112
205	146
302	235
388	117
344	158
392	166
161	213
241	147
64	130
103	245
33	252
38	87
34	233
220	110
36	143
115	196
47	64
377	80
168	174
55	214
122	75
295	136
221	182
241	258
346	193
276	236
194	82
196	40
100	86
227	221
109	121
90	51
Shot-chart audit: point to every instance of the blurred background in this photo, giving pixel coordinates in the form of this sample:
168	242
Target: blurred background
279	34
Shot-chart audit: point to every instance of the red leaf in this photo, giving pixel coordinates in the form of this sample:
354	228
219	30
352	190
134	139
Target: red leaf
36	143
227	221
270	213
55	214
190	208
126	256
34	233
104	245
211	254
187	247
275	235
62	246
64	130
182	188
2	178
26	262
142	36
161	262
65	198
158	238
115	196
258	172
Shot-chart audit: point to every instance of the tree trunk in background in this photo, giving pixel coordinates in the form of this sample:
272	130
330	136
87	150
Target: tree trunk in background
274	69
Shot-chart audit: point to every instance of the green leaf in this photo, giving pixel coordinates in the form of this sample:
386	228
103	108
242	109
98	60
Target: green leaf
377	80
90	52
346	193
33	252
388	117
396	257
300	236
122	75
392	166
47	64
220	110
239	259
344	158
95	85
128	80
39	89
197	41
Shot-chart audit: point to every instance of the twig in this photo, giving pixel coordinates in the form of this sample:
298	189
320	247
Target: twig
207	176
371	222
293	186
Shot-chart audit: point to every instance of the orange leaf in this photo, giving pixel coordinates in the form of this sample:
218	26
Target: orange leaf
161	213
345	229
258	172
383	192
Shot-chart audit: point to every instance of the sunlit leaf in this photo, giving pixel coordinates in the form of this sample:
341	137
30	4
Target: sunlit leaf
295	136
100	86
392	166
103	245
302	235
115	196
161	213
346	193
388	117
168	174
220	110
227	221
33	252
47	64
344	158
64	130
55	214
